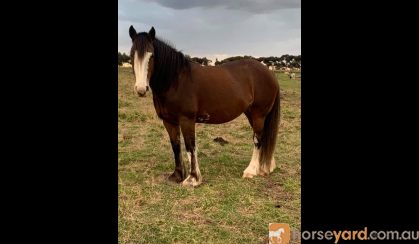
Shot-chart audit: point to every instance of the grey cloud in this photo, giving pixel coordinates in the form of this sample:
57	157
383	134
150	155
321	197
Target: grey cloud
216	30
252	6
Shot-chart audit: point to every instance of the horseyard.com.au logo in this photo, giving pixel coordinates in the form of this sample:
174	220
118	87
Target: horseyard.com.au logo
279	233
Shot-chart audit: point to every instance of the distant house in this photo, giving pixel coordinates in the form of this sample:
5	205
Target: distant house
126	65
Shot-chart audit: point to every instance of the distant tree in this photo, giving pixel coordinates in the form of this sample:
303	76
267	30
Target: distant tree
123	58
298	61
202	61
279	65
196	60
285	60
119	59
206	61
126	58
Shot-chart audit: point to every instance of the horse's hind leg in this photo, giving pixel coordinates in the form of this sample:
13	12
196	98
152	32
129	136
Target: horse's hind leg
257	123
174	133
188	130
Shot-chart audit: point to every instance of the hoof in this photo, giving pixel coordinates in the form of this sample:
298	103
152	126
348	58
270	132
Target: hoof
175	177
272	169
191	181
248	175
264	171
273	165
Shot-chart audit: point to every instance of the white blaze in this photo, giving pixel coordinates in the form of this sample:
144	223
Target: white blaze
141	70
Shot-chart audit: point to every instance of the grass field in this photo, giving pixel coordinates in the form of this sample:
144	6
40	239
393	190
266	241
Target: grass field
225	208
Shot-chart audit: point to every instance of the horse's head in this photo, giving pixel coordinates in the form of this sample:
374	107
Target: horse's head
142	53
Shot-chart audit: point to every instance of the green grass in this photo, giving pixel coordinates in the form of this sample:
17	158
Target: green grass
225	208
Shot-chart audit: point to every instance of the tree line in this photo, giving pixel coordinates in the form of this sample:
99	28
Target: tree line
123	58
202	61
290	61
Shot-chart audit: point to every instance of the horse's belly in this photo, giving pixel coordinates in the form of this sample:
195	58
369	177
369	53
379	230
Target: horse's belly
215	119
220	114
223	100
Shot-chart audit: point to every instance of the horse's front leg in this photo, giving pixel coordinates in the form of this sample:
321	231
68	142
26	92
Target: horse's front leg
188	130
174	133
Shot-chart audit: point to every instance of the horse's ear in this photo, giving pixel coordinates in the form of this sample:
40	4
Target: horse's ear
152	33
132	32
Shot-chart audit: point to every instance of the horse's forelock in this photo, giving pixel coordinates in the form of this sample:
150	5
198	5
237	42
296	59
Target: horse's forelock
140	45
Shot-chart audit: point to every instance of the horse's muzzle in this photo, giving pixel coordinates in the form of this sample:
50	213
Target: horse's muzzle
141	94
140	91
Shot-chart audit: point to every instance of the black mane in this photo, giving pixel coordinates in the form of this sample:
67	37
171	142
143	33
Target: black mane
168	64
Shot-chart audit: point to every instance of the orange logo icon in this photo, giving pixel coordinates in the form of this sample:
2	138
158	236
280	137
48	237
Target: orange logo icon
279	233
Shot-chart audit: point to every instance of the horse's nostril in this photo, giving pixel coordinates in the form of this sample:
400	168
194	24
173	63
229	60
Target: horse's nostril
141	93
147	88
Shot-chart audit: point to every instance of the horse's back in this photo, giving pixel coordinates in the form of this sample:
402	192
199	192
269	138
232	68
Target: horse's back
253	70
264	85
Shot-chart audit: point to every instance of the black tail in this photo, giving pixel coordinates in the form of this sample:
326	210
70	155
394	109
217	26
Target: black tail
269	135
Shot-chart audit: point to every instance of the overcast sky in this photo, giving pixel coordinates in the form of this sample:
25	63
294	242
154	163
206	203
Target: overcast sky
217	28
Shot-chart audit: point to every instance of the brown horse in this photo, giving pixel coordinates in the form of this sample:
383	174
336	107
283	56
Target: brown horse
185	93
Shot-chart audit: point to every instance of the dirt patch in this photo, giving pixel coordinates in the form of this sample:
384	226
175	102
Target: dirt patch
276	191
